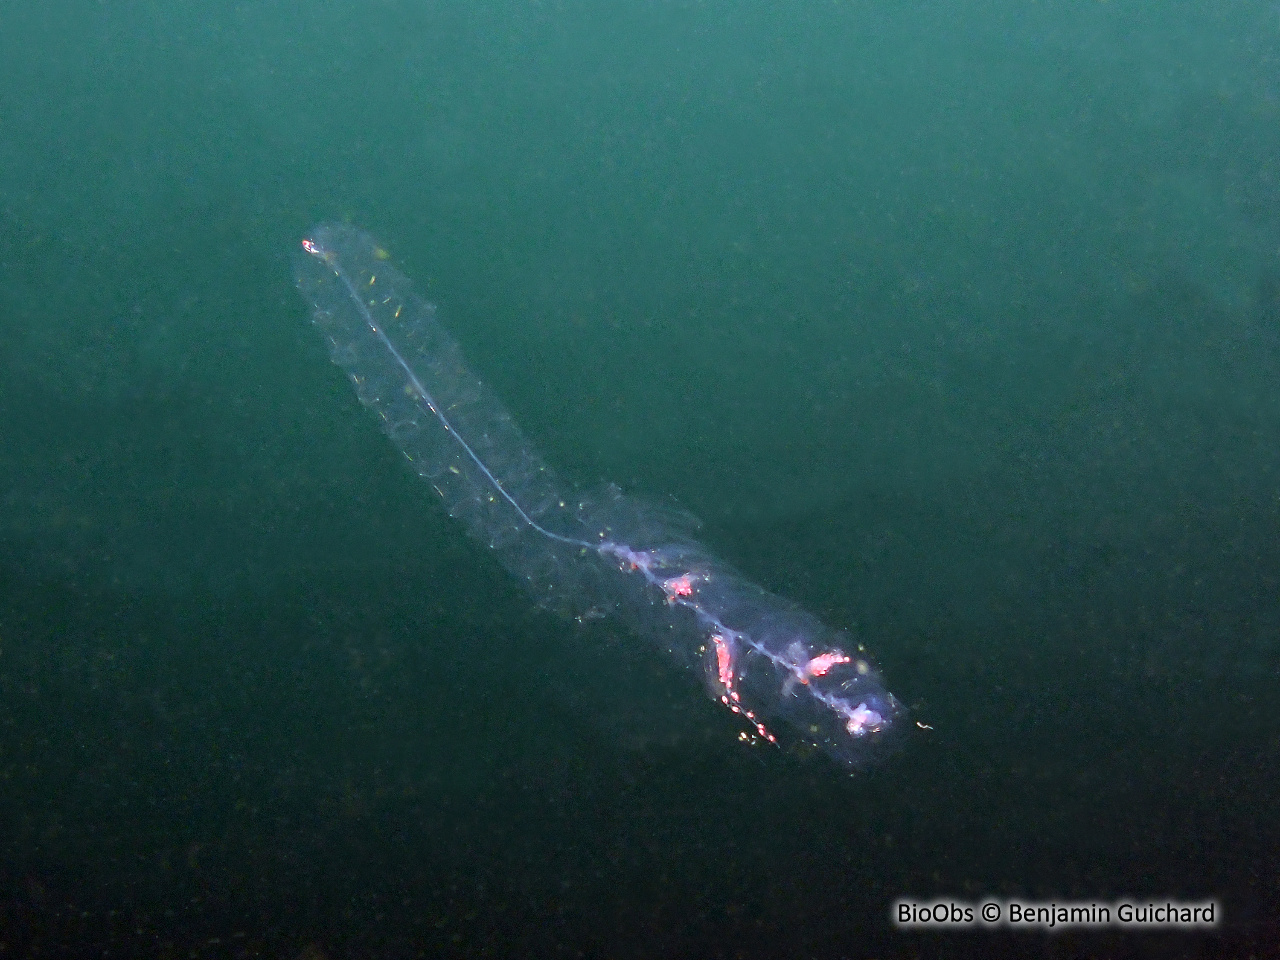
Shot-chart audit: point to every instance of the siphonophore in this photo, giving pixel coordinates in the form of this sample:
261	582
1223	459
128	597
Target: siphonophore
792	679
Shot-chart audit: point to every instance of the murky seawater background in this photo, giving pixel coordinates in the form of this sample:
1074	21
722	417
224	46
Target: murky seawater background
958	324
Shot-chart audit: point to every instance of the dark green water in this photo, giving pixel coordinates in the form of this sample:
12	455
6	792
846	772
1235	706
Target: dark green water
957	323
